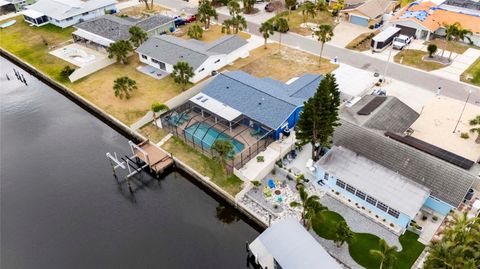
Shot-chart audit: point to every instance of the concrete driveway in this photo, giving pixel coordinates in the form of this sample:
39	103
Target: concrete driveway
460	63
345	32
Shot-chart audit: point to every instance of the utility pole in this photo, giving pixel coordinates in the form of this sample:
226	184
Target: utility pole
463	109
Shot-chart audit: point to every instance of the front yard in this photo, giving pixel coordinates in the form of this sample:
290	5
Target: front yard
282	65
362	42
204	165
472	74
296	19
454	46
360	245
213	33
414	58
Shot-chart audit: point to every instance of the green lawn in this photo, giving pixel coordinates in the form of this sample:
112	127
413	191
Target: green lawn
360	245
405	2
474	72
31	44
204	165
414	58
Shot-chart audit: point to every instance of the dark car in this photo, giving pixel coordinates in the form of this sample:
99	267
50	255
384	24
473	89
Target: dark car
179	21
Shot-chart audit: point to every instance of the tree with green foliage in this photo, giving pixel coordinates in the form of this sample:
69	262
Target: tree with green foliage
290	4
320	6
182	73
223	148
309	10
459	247
156	108
460	34
342	233
450	32
120	50
205	12
233	8
324	34
320	116
311	206
239	23
432	48
267	30
386	254
475	123
227	26
66	72
248	6
195	31
122	87
281	25
137	36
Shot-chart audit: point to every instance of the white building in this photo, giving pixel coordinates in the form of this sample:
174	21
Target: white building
65	13
165	51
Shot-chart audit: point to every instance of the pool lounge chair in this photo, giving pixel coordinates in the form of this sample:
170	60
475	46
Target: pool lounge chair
184	116
255	132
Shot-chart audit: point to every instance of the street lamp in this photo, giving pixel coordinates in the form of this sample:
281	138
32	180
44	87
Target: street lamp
386	66
463	109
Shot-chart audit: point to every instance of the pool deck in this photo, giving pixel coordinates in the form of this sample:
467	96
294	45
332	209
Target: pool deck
63	53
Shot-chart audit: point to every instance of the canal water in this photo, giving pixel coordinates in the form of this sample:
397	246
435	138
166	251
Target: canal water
62	208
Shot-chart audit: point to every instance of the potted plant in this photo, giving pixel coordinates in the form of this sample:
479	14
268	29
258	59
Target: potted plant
434	218
260	159
256	183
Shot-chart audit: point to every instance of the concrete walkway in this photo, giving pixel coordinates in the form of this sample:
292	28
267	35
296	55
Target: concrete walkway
460	63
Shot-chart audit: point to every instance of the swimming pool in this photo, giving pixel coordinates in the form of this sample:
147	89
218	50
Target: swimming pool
206	137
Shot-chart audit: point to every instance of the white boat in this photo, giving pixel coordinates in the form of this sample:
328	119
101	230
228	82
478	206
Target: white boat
8	23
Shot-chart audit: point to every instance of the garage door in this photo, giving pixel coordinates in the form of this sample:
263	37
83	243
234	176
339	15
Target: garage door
408	31
358	20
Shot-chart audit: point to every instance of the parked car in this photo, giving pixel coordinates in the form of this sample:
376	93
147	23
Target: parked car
379	92
401	41
269	7
179	21
191	18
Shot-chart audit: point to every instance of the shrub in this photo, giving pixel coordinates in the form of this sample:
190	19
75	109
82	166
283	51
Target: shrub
432	48
256	183
260	159
384	220
66	72
274	171
434	218
376	216
337	193
371	27
363	207
392	225
464	135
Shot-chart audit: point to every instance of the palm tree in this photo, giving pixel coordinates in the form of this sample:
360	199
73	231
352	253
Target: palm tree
281	25
309	9
460	35
122	87
206	12
310	207
223	148
248	6
342	233
239	23
319	7
195	31
182	73
137	36
290	4
450	32
267	30
227	26
157	107
233	8
386	255
120	50
324	34
476	127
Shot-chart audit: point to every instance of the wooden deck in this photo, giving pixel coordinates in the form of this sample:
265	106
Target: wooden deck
157	160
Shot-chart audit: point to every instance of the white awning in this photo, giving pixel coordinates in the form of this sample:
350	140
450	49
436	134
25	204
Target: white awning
32	13
93	37
216	107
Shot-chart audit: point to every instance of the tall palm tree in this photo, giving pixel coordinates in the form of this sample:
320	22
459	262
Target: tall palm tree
239	23
309	10
137	36
157	107
122	87
233	8
267	30
460	35
311	206
386	254
224	149
281	25
319	7
290	4
182	73
450	32
342	233
205	12
476	127
324	34
120	50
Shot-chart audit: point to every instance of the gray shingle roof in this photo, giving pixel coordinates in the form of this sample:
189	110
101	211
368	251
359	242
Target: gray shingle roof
116	28
171	49
392	115
264	100
447	182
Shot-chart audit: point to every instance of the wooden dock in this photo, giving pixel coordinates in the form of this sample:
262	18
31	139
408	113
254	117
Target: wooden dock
154	157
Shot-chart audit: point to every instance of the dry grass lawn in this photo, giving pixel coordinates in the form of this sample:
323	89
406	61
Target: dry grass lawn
296	19
98	88
140	10
362	42
415	58
454	46
282	65
211	34
152	132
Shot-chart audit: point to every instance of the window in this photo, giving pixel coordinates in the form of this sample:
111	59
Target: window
69	19
217	61
382	206
351	189
85	14
341	184
325	176
361	195
144	57
393	212
371	200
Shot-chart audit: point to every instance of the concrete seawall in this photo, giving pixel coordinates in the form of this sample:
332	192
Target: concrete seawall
131	134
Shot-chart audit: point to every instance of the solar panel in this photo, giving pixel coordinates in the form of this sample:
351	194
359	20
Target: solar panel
432	150
372	105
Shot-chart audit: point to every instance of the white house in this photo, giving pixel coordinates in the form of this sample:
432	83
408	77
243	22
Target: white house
165	51
65	13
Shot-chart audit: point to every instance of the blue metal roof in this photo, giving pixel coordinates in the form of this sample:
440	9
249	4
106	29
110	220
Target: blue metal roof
266	100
